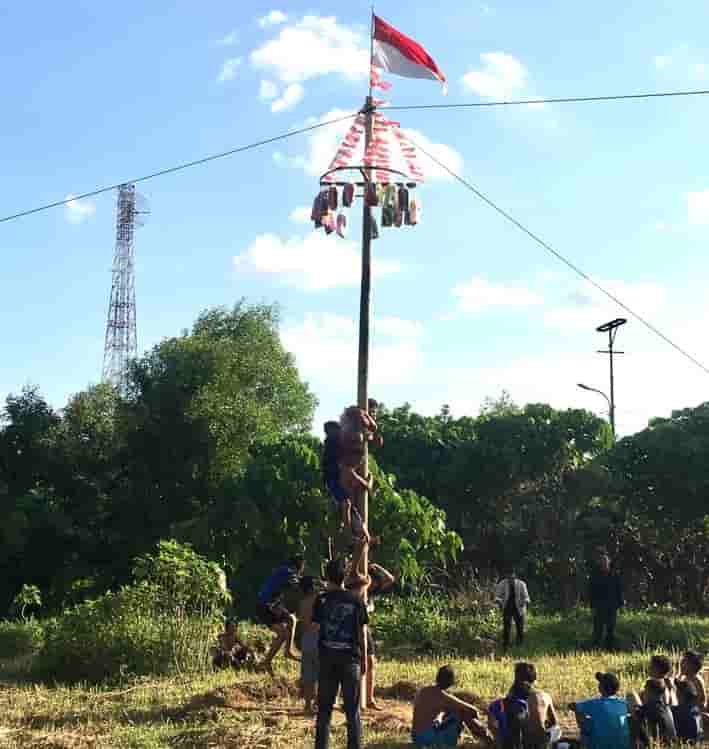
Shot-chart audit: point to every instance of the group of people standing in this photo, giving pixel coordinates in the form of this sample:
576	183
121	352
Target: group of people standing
605	596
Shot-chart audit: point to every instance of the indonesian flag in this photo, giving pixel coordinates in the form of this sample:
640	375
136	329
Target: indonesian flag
401	55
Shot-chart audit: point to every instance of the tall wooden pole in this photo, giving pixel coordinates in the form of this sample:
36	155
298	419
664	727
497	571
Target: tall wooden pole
364	320
365	305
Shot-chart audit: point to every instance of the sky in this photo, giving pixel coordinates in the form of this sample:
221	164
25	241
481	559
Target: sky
465	305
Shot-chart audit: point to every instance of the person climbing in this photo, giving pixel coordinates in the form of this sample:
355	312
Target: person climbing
272	612
512	596
333	473
343	620
439	718
606	597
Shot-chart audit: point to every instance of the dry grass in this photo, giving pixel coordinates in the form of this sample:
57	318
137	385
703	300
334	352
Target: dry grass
251	711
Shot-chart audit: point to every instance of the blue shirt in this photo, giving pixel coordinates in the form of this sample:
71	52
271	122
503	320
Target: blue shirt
606	725
277	583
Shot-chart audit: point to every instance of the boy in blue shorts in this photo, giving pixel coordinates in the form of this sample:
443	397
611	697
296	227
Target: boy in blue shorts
333	469
439	717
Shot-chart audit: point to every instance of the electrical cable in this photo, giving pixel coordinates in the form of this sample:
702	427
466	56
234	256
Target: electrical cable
560	100
560	257
178	168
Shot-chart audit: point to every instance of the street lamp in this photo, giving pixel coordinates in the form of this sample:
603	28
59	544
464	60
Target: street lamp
612	329
608	401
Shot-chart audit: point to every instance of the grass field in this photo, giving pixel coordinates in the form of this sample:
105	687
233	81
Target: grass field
252	711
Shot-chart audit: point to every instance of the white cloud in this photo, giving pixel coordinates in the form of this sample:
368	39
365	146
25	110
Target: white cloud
478	294
662	61
327	343
290	97
77	211
229	68
586	307
313	47
267	90
501	77
312	263
398	327
700	70
274	18
440	151
301	214
228	40
698	208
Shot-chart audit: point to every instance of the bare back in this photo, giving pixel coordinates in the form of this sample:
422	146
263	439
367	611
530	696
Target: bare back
428	705
542	714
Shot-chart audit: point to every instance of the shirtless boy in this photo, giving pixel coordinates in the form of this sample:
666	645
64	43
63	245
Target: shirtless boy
439	717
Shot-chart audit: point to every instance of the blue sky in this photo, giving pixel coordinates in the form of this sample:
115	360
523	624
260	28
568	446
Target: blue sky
465	305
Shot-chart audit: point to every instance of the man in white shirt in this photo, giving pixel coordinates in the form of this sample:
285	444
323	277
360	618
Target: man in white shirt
512	597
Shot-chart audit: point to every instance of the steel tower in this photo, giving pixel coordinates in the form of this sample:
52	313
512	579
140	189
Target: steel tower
121	342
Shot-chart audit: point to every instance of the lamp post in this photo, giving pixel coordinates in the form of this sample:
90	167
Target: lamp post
611	414
612	329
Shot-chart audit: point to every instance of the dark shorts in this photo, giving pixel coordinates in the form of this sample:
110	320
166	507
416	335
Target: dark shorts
271	614
336	491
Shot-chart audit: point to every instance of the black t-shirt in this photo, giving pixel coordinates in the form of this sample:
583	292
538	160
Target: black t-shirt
341	616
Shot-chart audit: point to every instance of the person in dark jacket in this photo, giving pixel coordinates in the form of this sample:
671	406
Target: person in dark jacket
606	597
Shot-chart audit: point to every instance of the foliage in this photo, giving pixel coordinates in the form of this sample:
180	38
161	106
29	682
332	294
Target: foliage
20	638
28	597
164	622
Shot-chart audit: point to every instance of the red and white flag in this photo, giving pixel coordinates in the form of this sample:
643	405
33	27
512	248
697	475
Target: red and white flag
399	54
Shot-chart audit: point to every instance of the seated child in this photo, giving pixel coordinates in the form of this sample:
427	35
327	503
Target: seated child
309	665
687	715
603	721
655	715
231	652
691	667
439	717
341	479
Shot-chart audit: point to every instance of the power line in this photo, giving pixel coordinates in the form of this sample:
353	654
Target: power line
178	168
561	257
560	100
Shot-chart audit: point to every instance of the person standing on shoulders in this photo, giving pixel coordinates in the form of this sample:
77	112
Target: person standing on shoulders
606	597
342	618
512	597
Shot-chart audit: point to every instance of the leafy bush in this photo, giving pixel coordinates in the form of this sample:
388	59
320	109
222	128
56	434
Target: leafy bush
434	623
20	638
164	623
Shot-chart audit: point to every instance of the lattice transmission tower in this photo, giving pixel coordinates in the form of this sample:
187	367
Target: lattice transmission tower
121	338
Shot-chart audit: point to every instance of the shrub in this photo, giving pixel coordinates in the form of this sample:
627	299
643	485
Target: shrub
164	623
20	638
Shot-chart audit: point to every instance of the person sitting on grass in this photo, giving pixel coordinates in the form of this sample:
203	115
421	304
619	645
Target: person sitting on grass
687	714
439	717
527	715
660	671
655	715
691	667
274	614
603	721
231	652
308	643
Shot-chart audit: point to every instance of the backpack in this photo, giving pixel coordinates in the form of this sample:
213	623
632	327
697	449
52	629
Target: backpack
512	716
